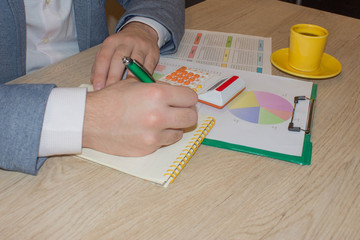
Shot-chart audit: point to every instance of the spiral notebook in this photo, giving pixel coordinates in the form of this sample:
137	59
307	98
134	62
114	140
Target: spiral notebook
162	166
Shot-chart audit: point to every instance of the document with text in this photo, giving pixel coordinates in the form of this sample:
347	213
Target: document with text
228	50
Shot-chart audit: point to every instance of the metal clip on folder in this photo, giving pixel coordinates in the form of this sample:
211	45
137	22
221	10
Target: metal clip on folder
311	110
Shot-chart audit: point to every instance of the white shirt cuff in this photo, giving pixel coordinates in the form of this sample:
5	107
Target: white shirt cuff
163	33
63	122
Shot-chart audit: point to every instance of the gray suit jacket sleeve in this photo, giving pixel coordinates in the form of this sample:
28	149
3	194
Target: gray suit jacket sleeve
22	110
170	13
22	107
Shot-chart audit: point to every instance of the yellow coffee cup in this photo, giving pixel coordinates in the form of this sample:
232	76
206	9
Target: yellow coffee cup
307	44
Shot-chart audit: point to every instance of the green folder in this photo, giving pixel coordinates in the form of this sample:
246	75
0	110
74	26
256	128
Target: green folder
304	159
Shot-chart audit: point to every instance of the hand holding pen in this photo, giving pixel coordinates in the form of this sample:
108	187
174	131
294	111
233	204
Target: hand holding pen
134	40
130	118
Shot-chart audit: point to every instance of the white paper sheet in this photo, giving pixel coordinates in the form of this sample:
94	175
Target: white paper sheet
272	92
229	50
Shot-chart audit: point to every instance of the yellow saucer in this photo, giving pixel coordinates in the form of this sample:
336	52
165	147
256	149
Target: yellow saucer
329	66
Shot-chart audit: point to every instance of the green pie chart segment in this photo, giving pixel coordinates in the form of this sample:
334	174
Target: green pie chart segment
261	108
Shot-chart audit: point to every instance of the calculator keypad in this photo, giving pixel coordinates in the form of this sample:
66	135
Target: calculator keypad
197	80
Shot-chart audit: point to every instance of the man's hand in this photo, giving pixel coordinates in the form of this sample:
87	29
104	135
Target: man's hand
135	40
130	118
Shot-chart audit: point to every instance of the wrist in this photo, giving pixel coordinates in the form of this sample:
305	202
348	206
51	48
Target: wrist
89	118
143	27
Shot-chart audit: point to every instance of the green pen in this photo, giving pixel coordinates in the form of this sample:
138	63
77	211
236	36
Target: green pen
138	70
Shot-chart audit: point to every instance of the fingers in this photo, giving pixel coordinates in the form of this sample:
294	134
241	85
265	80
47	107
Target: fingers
101	67
147	57
171	107
171	136
180	96
109	68
150	143
116	69
137	41
181	118
149	62
161	115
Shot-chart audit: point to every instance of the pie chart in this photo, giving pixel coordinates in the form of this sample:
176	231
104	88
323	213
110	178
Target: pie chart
261	107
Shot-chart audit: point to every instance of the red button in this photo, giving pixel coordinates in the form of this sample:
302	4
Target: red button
227	83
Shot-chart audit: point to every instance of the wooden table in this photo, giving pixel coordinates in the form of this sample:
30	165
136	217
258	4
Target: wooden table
221	194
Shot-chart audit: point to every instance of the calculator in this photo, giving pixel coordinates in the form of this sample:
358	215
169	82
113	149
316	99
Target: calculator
212	89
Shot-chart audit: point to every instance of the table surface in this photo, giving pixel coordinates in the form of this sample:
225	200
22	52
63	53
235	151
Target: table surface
221	194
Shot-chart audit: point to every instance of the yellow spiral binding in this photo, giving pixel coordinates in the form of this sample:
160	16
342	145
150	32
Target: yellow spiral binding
190	149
